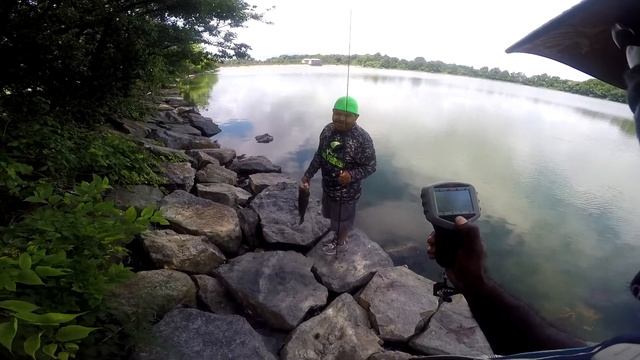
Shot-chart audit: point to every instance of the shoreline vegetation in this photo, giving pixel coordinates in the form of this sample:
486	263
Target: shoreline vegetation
592	87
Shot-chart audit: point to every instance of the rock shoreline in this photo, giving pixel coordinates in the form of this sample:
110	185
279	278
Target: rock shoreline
236	277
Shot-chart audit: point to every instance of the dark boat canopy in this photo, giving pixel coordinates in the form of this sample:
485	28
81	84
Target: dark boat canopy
581	38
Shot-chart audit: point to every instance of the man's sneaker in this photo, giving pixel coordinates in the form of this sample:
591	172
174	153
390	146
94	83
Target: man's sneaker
329	248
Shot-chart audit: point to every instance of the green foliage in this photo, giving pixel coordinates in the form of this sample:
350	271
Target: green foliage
58	262
592	87
197	89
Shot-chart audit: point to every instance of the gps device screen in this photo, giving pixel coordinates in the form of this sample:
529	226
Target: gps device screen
453	201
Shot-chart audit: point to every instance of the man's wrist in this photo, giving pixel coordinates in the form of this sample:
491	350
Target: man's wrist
477	286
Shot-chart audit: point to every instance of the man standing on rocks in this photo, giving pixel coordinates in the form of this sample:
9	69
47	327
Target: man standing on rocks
346	156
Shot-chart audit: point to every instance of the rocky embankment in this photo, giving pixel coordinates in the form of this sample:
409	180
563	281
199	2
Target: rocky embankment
236	277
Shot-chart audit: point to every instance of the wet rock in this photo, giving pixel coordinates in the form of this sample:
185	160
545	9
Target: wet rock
182	129
181	141
196	216
399	302
249	222
180	176
341	331
277	286
453	330
206	125
216	174
190	334
188	253
351	268
214	295
264	138
138	196
202	159
223	193
277	207
175	101
392	355
148	295
253	165
261	181
224	156
165	107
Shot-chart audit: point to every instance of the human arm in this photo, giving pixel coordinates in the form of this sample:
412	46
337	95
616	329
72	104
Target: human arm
366	164
509	324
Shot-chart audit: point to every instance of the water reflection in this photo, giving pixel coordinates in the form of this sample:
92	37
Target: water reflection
556	174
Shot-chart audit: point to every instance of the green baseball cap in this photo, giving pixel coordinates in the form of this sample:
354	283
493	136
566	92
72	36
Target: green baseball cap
346	103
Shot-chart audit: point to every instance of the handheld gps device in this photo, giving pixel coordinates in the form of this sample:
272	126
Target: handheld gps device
442	203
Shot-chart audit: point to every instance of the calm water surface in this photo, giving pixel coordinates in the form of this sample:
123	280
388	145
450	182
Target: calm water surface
557	174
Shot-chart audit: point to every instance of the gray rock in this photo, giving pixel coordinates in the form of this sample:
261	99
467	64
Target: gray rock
180	176
186	109
216	174
148	295
201	159
139	129
261	181
188	253
167	117
351	268
223	193
165	107
196	216
253	165
264	138
214	295
190	334
224	156
277	207
273	340
277	286
167	152
138	196
181	141
249	222
453	330
175	101
206	125
341	331
399	302
181	128
392	355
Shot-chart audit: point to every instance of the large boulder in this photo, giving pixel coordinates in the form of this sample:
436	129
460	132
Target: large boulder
253	165
277	207
453	330
225	156
216	174
148	295
393	355
205	125
137	196
190	334
264	138
277	286
214	295
181	141
341	331
189	253
351	268
138	129
399	302
202	159
249	222
224	194
196	216
179	176
261	181
165	107
175	101
182	129
166	152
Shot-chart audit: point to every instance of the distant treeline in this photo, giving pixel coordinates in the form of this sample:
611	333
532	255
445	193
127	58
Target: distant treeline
591	87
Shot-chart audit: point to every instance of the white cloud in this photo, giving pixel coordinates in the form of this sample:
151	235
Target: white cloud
465	32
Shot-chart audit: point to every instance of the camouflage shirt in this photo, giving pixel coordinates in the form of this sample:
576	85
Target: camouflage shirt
352	151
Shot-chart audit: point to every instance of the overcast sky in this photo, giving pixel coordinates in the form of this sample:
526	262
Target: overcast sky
464	32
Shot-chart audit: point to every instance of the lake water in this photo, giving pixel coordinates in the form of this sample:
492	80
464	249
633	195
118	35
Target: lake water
557	174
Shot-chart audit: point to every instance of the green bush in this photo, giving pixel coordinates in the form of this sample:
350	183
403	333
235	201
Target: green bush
58	262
